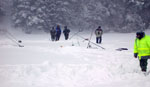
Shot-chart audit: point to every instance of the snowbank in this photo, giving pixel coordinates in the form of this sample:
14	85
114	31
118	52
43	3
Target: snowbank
42	63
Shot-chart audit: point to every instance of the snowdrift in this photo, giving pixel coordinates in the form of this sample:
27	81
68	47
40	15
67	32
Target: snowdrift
43	63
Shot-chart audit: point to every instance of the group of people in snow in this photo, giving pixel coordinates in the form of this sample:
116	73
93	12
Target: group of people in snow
56	33
141	47
141	44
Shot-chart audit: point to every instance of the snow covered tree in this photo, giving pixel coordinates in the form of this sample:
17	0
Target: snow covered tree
23	15
145	13
2	10
112	15
1	13
122	17
95	13
40	14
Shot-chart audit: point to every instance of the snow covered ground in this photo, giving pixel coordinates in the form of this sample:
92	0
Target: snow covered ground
43	63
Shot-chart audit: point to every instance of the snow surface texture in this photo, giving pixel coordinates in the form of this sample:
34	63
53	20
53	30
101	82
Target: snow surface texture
43	63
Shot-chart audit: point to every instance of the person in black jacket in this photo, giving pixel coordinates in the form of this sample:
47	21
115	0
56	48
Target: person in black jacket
53	34
66	32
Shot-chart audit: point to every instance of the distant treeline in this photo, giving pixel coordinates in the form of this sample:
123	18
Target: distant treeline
112	15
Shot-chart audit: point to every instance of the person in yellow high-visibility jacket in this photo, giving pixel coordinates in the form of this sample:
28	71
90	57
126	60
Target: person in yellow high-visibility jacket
142	49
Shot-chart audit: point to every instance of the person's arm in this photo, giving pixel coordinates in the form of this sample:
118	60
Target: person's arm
135	49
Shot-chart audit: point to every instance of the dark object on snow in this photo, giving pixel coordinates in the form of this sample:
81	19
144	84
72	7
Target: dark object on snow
19	41
120	49
20	45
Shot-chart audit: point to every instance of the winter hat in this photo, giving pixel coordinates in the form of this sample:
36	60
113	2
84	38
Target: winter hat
140	34
99	26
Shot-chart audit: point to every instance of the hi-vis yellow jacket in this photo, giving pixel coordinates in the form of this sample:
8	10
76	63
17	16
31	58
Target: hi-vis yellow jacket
142	47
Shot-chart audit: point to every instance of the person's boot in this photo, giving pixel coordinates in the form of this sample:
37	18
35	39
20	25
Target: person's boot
143	70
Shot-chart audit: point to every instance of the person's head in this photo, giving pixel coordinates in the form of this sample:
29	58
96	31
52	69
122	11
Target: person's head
99	27
140	35
58	26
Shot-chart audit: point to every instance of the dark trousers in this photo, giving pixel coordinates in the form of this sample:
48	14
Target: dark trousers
66	36
98	40
143	64
53	37
57	37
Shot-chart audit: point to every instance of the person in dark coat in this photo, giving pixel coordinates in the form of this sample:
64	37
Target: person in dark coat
58	32
66	32
53	34
98	33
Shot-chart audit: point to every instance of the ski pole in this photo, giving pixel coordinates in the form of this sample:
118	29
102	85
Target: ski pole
91	42
19	41
78	42
14	41
74	34
90	39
